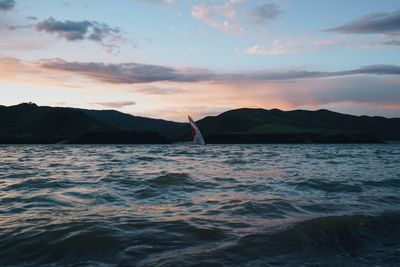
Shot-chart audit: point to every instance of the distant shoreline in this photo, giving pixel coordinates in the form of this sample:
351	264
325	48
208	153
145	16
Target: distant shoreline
28	123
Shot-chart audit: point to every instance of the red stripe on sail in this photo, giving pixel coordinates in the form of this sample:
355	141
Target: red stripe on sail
193	132
192	126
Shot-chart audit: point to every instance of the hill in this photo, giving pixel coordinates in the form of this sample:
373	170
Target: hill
118	120
126	121
275	126
29	123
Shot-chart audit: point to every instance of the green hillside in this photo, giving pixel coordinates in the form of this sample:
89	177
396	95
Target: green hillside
29	123
261	121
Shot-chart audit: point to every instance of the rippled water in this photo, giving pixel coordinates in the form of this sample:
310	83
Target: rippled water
186	205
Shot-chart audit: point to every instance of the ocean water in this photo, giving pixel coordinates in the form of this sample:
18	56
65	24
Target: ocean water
187	205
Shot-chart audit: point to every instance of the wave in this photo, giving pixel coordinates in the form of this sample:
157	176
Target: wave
35	184
329	185
168	184
330	240
171	179
237	161
149	159
189	206
275	208
390	182
349	238
125	242
59	243
339	240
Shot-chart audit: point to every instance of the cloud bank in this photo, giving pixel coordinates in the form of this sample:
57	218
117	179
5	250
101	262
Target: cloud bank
132	73
77	30
384	22
7	5
128	73
108	37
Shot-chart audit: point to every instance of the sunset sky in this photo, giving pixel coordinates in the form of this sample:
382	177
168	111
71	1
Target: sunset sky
170	58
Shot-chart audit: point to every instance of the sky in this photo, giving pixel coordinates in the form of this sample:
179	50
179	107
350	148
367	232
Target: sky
170	58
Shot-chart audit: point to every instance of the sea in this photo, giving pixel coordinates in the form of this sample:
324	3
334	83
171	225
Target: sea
188	205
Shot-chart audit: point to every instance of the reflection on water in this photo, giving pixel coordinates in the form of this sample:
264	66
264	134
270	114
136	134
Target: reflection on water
184	205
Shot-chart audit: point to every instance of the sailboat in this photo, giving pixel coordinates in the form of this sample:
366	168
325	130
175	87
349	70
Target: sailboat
196	134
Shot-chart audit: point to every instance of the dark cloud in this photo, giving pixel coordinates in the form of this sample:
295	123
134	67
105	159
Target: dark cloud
115	104
388	23
263	13
130	73
291	75
6	5
32	18
392	42
110	38
379	69
77	30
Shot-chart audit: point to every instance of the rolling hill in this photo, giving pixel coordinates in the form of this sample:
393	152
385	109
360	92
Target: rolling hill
29	123
242	125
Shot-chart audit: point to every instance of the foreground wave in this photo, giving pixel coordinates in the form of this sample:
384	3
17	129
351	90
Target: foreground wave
333	240
315	205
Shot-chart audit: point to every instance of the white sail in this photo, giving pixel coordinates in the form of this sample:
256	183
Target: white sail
196	134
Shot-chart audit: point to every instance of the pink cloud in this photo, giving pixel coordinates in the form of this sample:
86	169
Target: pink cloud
219	17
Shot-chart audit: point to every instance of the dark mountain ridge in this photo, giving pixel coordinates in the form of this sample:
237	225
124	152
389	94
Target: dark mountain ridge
323	122
126	121
29	123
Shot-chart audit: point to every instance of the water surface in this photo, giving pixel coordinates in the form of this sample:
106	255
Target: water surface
185	205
